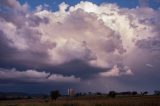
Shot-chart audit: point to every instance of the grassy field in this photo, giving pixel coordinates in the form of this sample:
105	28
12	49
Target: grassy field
88	101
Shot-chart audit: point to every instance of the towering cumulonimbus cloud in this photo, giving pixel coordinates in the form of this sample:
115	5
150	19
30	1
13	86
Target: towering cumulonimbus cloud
109	32
119	41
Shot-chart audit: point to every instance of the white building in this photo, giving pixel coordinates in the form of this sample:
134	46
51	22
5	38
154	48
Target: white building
71	92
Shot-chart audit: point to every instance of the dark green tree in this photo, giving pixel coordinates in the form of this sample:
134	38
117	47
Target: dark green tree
144	93
54	94
99	93
112	94
134	93
157	92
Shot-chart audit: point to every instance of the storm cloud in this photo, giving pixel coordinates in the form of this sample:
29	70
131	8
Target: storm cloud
78	43
34	76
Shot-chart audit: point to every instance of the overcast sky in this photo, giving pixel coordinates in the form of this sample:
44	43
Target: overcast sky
92	45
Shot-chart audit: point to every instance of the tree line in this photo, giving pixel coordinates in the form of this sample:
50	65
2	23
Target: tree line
54	94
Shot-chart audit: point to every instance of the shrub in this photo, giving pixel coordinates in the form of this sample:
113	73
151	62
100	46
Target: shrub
54	94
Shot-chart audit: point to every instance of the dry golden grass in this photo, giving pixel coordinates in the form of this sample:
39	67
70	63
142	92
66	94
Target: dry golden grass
88	101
